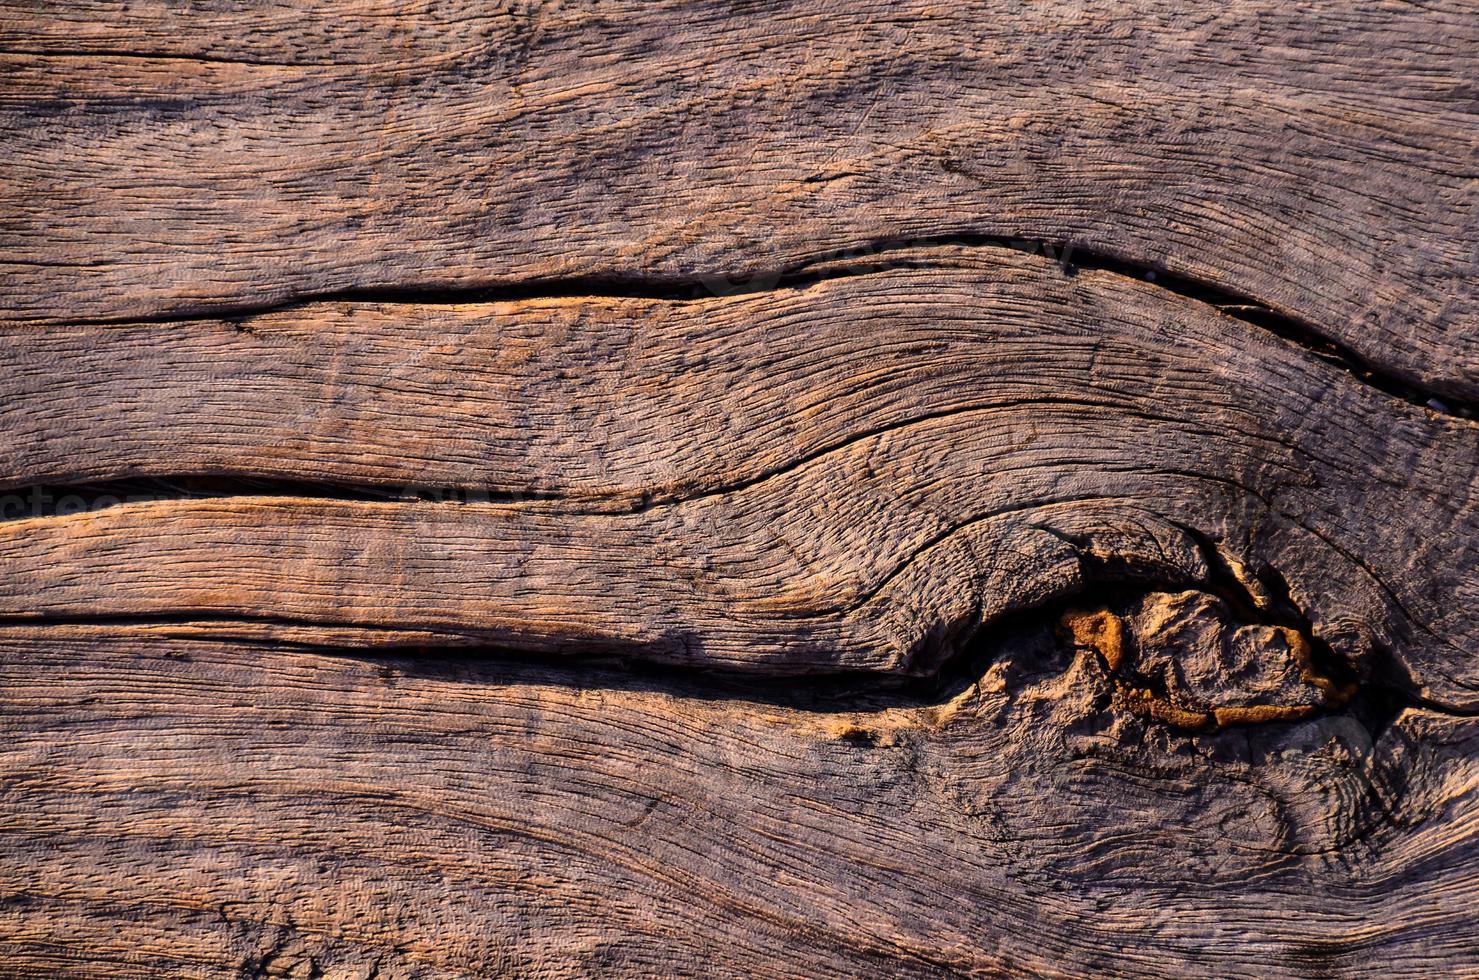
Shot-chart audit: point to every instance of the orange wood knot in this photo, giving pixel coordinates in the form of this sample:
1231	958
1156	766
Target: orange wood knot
1181	660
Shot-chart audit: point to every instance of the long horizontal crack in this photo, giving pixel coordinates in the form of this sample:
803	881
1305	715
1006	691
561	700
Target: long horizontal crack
493	665
802	275
200	58
64	499
869	259
1381	689
615	666
60	496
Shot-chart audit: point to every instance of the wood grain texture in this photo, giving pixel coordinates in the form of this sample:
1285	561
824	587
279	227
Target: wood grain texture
855	475
738	489
185	808
871	475
1314	158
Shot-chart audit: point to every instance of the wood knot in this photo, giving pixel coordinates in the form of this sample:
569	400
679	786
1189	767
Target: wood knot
1183	660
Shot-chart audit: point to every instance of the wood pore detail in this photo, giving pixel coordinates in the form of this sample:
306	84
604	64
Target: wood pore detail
738	489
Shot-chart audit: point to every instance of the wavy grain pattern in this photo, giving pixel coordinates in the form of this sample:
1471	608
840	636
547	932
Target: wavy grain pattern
738	489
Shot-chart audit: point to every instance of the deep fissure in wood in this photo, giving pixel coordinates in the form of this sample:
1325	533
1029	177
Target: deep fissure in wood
867	259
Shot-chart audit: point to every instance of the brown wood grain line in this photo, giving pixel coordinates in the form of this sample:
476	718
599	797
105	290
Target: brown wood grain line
222	809
1312	159
737	489
858	475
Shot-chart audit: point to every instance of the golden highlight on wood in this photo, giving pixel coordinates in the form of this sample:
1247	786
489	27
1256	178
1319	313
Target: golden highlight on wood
738	489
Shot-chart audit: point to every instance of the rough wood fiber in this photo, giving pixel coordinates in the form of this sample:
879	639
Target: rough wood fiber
178	808
1316	158
427	551
848	475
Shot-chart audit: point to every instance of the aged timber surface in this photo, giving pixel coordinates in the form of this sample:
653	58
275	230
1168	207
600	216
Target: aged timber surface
1317	158
738	489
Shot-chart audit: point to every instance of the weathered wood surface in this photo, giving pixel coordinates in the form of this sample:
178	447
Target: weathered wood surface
847	475
557	489
1317	158
189	807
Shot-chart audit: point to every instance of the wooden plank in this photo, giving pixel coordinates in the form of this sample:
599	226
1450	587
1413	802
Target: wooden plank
1315	160
857	474
186	808
738	489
